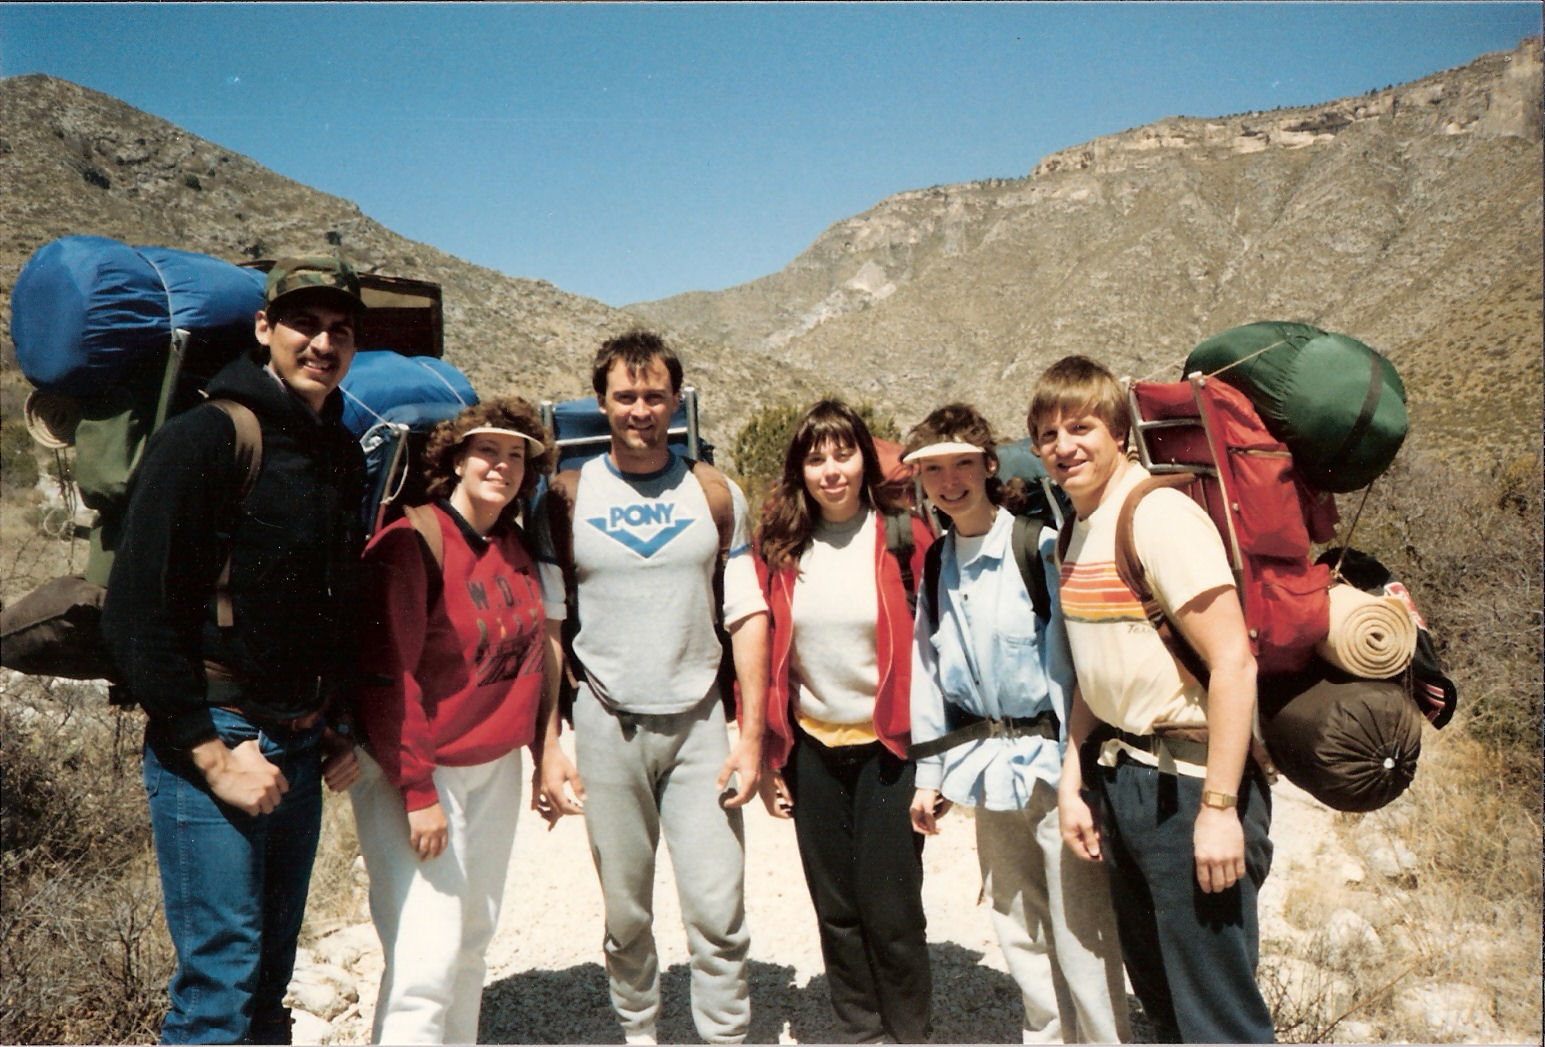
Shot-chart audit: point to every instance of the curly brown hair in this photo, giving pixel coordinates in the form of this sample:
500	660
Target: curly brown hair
963	423
444	449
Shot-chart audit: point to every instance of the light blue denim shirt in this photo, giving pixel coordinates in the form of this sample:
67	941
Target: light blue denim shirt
991	657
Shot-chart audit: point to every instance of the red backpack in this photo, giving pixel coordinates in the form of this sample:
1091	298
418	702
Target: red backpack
1206	439
1350	743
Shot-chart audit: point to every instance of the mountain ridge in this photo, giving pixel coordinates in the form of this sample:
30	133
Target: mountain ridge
1408	217
1351	214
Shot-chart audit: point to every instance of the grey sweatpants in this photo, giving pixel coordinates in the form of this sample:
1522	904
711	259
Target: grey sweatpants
1055	923
642	775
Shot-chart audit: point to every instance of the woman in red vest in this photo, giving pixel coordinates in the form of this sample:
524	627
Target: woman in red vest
834	752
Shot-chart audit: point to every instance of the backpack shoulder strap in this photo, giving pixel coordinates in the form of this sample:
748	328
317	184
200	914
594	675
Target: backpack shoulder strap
1129	567
422	519
1065	537
1025	544
249	461
249	443
561	492
898	542
933	562
721	506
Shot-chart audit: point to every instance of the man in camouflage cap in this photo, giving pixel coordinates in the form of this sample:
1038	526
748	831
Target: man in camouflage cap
239	676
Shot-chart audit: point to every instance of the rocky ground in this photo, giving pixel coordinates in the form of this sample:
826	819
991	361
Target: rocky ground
546	983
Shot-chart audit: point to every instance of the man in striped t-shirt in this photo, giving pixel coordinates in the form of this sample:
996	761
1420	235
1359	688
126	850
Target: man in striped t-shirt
1180	817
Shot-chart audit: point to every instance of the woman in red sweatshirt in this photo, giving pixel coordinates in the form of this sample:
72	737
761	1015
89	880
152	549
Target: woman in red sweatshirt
834	752
455	666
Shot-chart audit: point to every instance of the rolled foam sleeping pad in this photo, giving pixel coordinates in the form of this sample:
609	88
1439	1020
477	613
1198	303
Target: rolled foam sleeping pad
1338	405
86	309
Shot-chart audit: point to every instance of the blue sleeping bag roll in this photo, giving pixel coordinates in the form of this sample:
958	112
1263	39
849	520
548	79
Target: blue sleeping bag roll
583	431
86	309
380	380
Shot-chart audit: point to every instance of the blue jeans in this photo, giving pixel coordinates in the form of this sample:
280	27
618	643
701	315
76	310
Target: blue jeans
1191	955
233	884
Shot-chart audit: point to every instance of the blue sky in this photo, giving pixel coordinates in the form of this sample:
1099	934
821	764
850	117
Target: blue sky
633	151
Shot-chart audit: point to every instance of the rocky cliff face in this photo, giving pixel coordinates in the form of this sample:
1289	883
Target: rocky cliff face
1410	218
1498	94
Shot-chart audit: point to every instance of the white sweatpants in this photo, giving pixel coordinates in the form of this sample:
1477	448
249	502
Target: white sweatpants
1055	924
435	918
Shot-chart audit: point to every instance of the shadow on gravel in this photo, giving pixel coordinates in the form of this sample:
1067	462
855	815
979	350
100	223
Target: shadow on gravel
971	1004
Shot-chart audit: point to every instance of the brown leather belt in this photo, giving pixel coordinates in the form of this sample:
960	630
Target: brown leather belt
218	674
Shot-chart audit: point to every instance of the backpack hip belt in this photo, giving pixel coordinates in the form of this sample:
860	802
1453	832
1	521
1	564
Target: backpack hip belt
1043	725
223	686
1187	745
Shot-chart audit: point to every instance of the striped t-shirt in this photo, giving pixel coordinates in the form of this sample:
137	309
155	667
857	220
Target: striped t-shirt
1127	676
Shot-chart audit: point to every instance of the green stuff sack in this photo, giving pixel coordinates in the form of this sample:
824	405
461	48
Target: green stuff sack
1350	743
1338	405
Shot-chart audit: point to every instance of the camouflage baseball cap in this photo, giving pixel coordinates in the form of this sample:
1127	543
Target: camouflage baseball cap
303	273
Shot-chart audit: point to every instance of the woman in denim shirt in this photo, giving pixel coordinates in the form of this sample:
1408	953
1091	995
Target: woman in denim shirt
991	684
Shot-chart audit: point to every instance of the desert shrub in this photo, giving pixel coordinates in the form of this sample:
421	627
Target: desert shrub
1467	545
84	955
1456	940
18	460
761	443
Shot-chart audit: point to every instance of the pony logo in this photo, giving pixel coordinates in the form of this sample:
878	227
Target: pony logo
645	527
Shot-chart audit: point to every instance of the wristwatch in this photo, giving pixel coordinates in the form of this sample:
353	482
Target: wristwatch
1222	801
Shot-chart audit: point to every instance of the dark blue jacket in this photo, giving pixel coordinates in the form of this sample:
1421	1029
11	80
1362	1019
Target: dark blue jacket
294	542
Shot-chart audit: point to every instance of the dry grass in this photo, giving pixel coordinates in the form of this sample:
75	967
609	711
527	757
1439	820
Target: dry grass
84	955
1454	947
338	889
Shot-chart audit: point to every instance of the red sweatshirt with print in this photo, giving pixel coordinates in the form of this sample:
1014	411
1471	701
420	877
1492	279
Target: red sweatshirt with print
456	681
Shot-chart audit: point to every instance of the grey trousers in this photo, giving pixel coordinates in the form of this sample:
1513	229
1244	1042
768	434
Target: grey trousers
1052	912
644	775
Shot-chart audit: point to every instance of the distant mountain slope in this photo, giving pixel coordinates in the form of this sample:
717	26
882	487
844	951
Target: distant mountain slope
1410	218
73	161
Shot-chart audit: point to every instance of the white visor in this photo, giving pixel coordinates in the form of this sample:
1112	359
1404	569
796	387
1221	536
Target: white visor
533	441
934	450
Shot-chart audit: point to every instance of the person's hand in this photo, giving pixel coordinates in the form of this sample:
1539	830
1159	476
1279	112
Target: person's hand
1220	848
539	803
926	810
340	767
745	762
241	777
428	831
1076	822
775	795
560	791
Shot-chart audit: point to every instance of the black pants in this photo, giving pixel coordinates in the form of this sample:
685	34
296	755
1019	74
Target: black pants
864	866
